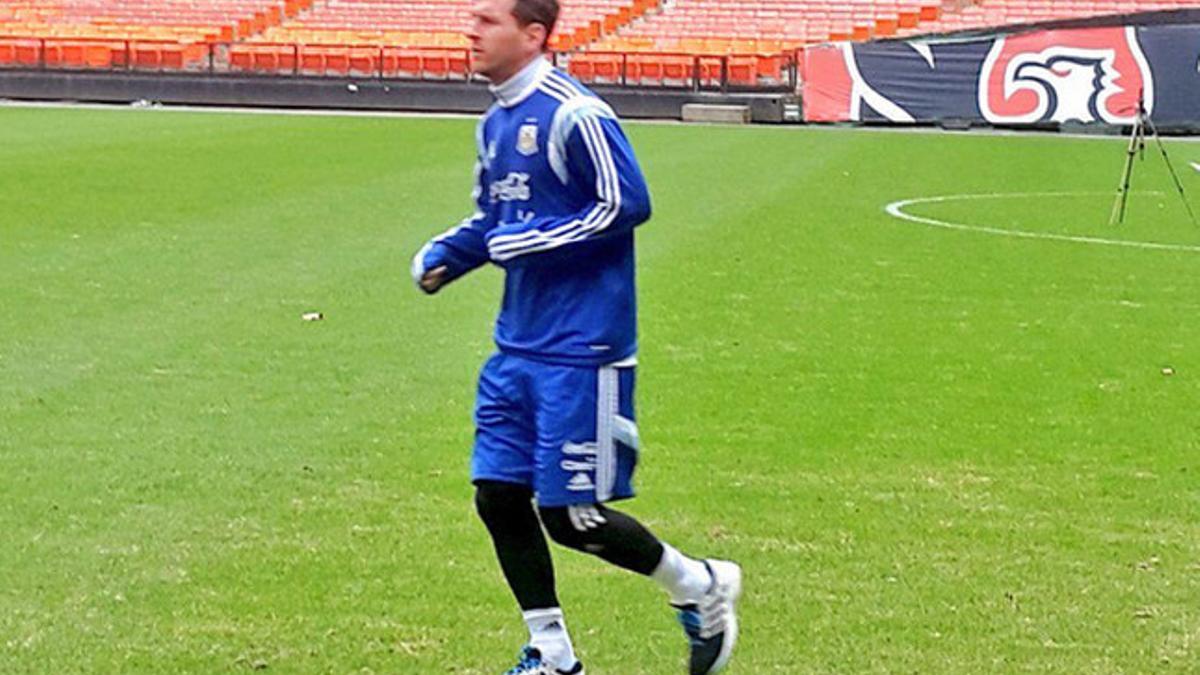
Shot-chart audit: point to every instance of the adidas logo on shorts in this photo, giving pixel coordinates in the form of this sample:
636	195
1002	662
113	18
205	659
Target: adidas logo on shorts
580	482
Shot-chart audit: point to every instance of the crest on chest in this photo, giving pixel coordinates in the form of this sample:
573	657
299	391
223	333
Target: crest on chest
527	139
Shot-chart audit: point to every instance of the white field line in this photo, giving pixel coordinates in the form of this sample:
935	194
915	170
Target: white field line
897	210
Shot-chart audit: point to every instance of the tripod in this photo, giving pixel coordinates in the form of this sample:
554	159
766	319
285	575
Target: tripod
1137	146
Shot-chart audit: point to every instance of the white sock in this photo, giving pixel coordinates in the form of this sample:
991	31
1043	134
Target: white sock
687	580
548	634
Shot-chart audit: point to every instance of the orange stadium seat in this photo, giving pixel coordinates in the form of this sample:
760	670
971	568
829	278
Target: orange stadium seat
435	64
147	57
649	69
29	52
99	56
264	59
581	67
409	63
363	61
286	59
312	61
73	55
459	63
241	58
337	62
743	70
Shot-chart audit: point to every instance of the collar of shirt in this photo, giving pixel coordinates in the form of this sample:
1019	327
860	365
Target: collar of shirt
518	87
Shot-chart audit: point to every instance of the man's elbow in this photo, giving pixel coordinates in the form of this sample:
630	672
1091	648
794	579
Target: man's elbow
637	211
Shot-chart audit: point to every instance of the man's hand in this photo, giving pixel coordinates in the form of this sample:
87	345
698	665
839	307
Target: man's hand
433	280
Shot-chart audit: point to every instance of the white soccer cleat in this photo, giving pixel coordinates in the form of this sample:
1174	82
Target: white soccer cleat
711	624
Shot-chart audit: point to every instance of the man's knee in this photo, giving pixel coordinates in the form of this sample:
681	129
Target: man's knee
575	527
503	506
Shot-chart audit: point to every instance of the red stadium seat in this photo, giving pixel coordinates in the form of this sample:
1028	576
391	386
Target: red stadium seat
649	68
100	56
743	71
287	61
677	70
391	64
241	58
28	52
337	62
409	64
435	65
172	57
364	61
73	55
52	55
606	68
459	63
582	67
265	59
312	61
147	57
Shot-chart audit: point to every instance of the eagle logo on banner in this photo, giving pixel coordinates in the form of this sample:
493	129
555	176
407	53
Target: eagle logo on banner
1087	75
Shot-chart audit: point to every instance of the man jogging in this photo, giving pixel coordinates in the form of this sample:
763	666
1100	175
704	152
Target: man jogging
558	194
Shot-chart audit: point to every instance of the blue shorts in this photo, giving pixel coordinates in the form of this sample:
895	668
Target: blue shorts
566	432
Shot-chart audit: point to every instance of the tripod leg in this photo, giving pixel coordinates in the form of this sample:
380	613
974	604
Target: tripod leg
1162	148
1118	212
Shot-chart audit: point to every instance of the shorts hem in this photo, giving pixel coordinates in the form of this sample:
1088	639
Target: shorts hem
581	500
495	478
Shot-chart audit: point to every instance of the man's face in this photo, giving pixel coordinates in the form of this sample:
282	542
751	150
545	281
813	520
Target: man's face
499	44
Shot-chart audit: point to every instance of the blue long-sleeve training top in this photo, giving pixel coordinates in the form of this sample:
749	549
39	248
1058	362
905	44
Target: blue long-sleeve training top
558	193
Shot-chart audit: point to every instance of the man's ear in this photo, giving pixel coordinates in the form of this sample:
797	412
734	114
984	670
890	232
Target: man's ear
537	32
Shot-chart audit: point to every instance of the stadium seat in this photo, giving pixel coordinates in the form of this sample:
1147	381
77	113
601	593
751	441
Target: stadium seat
606	68
408	64
147	57
99	56
677	70
29	52
265	59
743	71
52	55
241	58
8	52
74	55
172	57
312	61
337	62
435	65
459	63
364	61
581	67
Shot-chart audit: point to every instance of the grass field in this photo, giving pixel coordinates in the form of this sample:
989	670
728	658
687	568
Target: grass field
933	451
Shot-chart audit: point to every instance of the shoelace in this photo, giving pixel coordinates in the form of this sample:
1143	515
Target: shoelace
707	619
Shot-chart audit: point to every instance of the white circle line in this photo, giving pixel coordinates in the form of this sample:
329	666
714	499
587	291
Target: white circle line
896	210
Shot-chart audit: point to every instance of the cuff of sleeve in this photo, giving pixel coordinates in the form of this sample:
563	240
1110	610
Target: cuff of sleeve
421	263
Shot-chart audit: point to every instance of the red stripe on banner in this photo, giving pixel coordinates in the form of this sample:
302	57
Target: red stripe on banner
827	85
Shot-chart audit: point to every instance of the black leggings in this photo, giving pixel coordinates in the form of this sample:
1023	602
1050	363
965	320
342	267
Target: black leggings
508	512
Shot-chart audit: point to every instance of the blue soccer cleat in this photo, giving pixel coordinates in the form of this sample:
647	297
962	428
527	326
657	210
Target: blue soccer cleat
529	662
711	624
